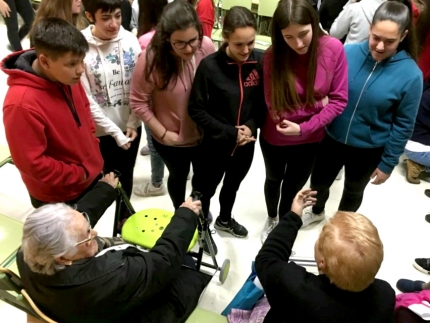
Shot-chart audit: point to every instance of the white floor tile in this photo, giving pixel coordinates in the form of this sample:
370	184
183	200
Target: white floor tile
397	208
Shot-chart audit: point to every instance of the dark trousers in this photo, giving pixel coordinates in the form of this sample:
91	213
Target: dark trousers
14	33
178	161
219	162
359	164
287	170
119	159
37	203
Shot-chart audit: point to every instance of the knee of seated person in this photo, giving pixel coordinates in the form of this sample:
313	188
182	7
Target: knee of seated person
349	251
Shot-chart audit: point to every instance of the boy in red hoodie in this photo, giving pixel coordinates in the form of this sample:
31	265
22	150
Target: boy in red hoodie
47	118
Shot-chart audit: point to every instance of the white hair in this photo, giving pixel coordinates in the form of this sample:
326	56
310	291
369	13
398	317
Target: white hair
46	236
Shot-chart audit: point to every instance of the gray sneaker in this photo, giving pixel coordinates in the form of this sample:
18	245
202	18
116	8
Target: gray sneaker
148	189
309	217
145	151
271	223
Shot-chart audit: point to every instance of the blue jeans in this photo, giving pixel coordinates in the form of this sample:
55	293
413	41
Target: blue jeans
157	164
422	158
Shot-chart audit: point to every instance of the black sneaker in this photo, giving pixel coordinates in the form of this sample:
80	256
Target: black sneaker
423	265
206	248
231	227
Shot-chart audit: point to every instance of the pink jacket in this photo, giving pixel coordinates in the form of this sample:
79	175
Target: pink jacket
331	81
145	39
170	106
408	299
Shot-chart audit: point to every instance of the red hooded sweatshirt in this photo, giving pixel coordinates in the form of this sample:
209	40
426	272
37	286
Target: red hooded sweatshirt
206	12
50	132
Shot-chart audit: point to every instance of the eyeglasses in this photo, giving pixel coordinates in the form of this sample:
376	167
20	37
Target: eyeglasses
183	44
90	237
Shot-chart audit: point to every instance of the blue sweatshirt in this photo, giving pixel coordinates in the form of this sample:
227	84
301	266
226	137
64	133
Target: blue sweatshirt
383	100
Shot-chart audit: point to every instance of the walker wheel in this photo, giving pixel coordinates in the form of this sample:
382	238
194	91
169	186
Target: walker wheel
225	268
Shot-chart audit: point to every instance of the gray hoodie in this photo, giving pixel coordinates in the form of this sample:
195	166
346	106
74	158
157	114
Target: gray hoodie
354	20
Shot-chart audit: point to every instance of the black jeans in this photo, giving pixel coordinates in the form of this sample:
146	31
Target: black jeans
359	164
122	160
289	166
14	33
219	162
178	161
38	203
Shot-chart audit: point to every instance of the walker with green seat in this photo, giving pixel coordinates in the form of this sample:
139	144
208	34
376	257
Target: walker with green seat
145	227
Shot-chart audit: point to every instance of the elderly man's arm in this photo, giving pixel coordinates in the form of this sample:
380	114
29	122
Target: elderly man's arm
97	200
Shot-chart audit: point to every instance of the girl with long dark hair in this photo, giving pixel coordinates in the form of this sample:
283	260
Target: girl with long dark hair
161	88
305	86
385	87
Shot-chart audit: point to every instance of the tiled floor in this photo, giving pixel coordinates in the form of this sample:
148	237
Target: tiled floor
397	209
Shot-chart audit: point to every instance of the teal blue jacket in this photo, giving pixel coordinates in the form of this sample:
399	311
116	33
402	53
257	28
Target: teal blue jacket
383	100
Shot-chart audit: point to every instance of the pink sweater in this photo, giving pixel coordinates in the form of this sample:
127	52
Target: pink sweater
331	81
170	106
145	39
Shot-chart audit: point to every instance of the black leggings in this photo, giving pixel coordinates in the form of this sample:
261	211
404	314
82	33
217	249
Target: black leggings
178	161
14	33
119	159
359	164
289	166
218	162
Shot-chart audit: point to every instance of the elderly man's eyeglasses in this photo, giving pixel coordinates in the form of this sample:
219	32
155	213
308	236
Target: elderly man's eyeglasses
183	44
90	236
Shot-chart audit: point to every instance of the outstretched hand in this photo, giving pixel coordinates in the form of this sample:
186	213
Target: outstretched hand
303	199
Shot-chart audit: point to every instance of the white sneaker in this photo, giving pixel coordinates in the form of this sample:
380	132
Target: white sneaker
309	217
271	223
148	189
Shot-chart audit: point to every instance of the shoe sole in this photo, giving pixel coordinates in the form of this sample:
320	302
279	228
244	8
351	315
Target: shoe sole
421	269
150	195
228	231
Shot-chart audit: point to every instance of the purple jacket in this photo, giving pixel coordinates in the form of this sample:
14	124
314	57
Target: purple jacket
331	81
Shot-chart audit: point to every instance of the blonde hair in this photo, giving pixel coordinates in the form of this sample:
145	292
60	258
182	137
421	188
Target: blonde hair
60	9
352	251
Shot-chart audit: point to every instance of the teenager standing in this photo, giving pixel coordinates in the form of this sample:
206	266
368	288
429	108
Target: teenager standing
385	87
10	10
305	87
109	66
161	88
226	101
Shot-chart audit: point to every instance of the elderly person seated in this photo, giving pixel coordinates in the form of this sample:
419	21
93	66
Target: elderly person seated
75	276
348	254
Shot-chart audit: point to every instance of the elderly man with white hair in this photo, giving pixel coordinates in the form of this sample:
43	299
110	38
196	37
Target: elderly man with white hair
75	276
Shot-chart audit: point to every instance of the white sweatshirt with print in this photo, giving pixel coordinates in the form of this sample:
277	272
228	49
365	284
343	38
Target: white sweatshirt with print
354	20
109	66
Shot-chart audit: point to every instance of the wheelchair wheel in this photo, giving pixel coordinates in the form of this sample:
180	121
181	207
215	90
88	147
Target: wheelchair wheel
225	268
